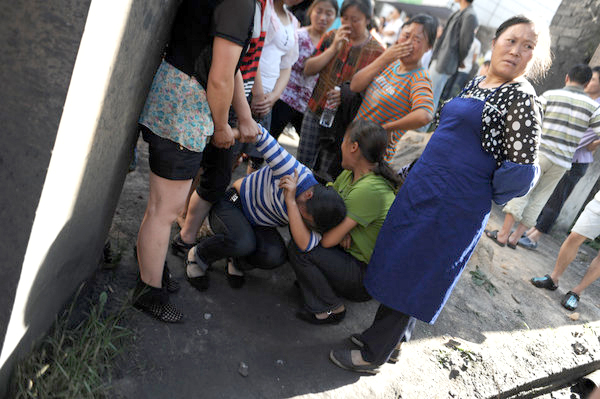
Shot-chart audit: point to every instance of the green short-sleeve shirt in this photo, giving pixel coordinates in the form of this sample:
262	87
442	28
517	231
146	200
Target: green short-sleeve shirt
367	202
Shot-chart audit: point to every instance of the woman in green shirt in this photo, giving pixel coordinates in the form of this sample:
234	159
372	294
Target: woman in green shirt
336	267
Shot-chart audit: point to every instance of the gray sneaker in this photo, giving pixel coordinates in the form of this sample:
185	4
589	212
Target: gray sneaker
343	359
526	242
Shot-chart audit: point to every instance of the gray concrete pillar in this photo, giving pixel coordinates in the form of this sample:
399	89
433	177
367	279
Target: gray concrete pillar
74	78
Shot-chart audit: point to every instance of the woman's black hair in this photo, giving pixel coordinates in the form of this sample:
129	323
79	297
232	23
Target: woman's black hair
518	19
332	3
364	6
326	207
429	24
372	140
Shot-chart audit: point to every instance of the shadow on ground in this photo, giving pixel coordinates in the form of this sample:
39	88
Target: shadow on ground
498	342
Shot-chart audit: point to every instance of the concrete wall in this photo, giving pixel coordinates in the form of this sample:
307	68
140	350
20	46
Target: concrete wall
575	32
74	79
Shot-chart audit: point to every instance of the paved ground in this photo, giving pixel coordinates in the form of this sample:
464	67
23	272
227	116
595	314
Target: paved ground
481	346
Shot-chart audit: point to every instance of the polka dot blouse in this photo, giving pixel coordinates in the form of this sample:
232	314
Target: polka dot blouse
511	121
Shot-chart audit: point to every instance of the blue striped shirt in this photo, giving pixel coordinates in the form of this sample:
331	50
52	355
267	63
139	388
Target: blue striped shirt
262	200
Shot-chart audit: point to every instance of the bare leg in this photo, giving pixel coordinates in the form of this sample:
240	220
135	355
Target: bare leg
183	213
324	315
566	255
231	269
591	275
504	232
516	235
250	169
166	199
534	234
197	211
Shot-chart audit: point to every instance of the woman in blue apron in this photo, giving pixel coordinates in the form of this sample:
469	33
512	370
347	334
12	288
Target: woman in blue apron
484	148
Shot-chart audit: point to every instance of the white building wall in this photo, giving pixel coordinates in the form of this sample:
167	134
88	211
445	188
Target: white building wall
493	12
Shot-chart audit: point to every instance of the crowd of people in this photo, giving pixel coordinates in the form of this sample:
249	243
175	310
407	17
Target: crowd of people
236	73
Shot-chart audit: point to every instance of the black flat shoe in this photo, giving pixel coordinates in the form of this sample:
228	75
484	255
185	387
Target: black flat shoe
332	318
394	356
201	283
235	281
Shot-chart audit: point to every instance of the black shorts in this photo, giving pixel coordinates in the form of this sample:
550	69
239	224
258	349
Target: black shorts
169	159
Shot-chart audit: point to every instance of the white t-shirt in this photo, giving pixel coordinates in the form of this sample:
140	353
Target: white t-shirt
279	52
475	49
393	27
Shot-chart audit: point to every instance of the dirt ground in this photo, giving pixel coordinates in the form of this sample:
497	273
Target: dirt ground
488	341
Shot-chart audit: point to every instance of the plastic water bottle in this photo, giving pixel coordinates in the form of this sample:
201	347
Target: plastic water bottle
328	112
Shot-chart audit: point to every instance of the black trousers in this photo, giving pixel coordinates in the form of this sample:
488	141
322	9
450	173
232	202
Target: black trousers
252	246
217	164
281	115
327	274
389	328
563	189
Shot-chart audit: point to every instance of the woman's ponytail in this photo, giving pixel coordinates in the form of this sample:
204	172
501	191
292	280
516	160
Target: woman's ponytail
372	140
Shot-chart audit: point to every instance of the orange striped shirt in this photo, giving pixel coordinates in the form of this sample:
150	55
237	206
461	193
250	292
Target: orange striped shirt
392	95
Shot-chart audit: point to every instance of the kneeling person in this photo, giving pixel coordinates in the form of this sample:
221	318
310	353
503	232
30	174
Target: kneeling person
337	266
245	220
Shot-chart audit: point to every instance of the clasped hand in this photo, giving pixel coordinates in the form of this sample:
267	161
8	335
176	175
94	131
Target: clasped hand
288	183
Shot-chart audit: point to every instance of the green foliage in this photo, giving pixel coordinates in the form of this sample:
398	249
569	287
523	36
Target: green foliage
74	362
480	279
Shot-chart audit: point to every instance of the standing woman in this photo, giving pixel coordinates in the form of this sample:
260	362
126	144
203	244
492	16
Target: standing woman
397	89
291	105
279	54
188	106
484	148
340	54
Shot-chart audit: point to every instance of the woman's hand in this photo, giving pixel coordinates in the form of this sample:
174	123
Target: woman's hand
288	183
223	137
341	37
334	98
247	131
346	241
397	51
262	106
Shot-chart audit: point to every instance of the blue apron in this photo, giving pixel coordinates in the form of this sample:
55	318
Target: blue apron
437	217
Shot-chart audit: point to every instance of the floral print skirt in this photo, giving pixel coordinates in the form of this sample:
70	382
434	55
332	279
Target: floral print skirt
177	109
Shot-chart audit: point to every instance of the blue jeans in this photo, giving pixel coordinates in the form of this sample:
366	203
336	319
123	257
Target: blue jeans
253	246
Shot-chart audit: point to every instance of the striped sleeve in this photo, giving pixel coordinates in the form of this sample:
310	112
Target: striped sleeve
595	121
421	94
263	201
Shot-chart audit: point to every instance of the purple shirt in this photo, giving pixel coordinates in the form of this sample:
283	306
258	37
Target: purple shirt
300	87
582	154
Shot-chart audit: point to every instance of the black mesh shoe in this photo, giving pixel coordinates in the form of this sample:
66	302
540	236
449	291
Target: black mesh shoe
155	302
168	282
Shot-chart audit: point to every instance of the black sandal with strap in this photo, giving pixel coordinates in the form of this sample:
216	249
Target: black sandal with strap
201	283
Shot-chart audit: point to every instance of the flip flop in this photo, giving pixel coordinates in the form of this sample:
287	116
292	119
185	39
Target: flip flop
493	235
